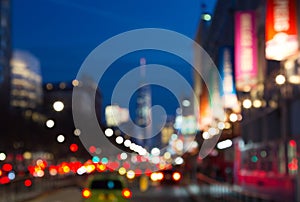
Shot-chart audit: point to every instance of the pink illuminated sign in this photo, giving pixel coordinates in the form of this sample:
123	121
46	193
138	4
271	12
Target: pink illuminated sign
246	73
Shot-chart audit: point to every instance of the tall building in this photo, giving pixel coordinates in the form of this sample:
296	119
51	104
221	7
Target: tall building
5	55
26	81
143	108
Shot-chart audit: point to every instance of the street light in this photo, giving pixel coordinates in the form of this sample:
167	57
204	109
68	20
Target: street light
50	123
280	79
60	138
247	103
2	156
119	140
233	117
109	132
127	143
58	106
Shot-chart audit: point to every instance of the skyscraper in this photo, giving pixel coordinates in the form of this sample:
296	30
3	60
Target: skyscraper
143	109
5	53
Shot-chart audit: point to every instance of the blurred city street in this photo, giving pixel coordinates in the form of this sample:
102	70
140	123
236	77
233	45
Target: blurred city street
165	101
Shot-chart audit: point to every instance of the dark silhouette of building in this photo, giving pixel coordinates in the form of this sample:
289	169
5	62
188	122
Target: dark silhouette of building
5	70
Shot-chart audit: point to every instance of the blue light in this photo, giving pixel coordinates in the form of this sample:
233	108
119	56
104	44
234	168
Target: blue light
11	175
96	159
110	184
104	160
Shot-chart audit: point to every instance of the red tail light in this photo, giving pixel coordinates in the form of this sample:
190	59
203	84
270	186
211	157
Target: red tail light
86	193
126	193
176	176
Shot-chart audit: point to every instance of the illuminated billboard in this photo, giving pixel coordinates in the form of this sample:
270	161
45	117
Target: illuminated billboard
225	66
246	72
281	29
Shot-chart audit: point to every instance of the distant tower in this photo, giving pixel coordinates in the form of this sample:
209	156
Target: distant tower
144	102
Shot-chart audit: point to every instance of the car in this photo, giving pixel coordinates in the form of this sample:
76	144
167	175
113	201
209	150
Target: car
106	187
167	177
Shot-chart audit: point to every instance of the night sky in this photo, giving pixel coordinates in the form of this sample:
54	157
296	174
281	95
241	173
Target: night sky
61	33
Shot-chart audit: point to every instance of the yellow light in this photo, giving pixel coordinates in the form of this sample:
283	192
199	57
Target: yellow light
86	193
126	193
176	176
160	176
167	155
257	103
101	167
90	168
122	171
75	82
66	169
154	177
227	125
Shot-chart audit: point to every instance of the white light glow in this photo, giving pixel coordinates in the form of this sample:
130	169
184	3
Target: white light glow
155	151
233	117
77	132
132	146
224	144
2	156
130	174
221	125
109	132
186	103
58	106
205	135
213	131
119	140
60	138
179	160
123	156
155	160
247	103
280	79
127	143
50	123
143	152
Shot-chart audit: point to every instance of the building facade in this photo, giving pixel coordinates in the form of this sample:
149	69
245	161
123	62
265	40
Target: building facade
5	55
269	109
